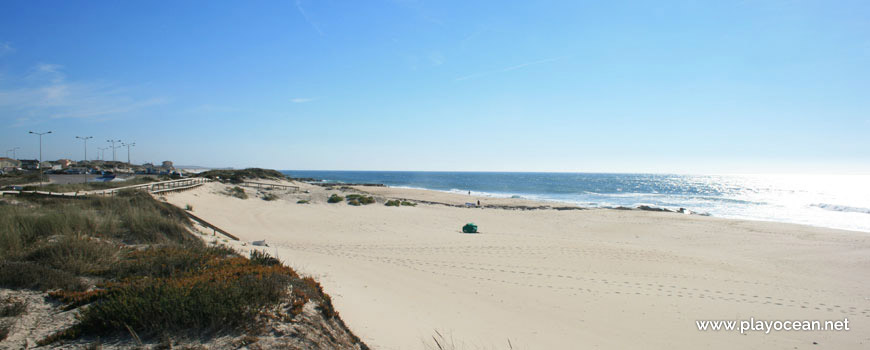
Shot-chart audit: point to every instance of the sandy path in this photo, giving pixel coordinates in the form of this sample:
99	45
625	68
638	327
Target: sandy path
547	279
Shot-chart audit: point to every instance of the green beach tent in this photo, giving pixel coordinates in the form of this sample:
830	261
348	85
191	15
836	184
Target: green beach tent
469	228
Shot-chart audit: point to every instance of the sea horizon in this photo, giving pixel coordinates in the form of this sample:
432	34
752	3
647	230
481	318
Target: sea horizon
821	200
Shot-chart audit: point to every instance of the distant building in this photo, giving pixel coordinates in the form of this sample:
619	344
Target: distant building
9	163
65	163
167	164
29	164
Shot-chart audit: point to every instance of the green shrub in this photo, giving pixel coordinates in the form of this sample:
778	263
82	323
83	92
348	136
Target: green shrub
262	258
237	192
396	203
353	202
334	198
270	197
302	201
230	295
239	176
188	207
361	199
10	307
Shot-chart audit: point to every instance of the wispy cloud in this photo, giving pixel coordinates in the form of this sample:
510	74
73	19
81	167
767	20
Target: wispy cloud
301	99
6	48
436	58
307	18
46	93
508	69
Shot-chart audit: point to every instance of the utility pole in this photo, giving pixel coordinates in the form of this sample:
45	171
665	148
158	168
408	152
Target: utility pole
13	152
39	166
113	147
128	153
85	141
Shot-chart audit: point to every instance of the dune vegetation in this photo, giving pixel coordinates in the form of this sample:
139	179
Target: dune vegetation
239	176
130	265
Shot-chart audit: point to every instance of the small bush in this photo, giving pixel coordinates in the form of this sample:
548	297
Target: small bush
28	275
237	192
258	257
334	198
11	307
396	203
229	294
303	201
361	199
270	197
353	202
188	207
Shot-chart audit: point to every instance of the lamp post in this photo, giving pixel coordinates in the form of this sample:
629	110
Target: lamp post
39	166
128	153
113	147
85	141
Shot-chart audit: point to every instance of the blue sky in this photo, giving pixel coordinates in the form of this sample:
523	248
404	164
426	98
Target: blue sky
683	87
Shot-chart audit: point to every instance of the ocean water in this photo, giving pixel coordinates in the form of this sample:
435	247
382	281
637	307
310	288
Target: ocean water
836	201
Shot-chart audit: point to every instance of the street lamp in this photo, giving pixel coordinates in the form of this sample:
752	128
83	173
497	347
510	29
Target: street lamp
84	165
113	147
128	152
85	141
39	166
40	143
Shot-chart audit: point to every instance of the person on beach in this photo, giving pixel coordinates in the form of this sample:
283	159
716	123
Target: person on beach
478	202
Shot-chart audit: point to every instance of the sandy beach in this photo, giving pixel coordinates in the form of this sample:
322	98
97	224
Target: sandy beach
554	279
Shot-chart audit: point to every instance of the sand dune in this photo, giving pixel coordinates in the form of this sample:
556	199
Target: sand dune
549	279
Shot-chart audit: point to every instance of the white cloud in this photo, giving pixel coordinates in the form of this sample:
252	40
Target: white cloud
508	69
301	99
46	93
307	18
6	48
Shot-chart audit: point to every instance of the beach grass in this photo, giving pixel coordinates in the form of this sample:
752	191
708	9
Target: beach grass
239	176
18	178
237	192
93	186
130	265
334	198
